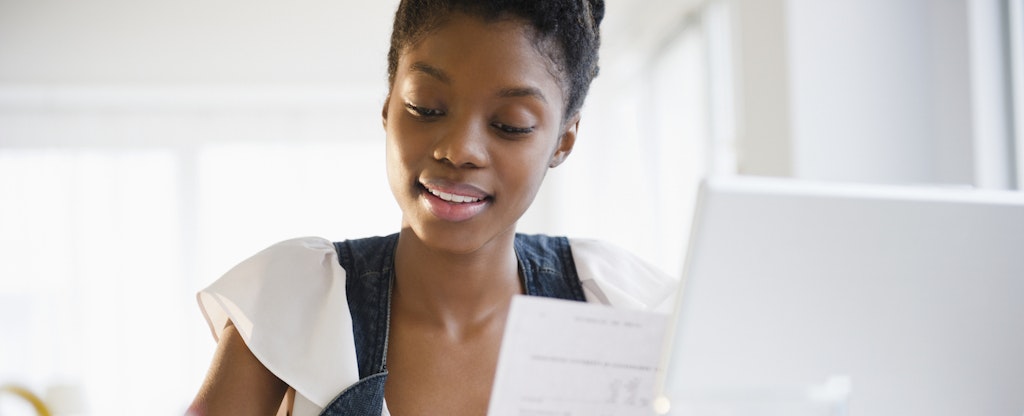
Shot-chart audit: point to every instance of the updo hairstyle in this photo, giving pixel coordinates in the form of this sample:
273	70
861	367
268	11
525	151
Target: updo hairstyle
566	31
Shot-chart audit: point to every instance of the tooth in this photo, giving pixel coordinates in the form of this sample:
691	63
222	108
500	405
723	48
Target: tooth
456	198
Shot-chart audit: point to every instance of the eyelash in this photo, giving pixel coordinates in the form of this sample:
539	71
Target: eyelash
423	112
430	113
510	130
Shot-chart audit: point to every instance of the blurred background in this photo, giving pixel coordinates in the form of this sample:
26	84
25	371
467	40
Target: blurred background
148	146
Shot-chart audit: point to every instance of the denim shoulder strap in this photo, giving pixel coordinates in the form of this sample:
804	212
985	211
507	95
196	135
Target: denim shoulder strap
369	273
368	267
548	268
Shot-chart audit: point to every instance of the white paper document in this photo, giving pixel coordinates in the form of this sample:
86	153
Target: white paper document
569	358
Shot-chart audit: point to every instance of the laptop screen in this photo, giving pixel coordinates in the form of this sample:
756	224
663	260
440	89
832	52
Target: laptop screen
910	300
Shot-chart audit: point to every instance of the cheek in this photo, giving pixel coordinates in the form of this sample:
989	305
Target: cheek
530	168
392	160
529	187
396	162
393	166
400	143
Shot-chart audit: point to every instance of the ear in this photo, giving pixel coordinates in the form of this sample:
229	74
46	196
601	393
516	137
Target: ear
566	141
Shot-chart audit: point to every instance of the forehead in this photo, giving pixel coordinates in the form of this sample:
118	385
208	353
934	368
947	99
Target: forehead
470	49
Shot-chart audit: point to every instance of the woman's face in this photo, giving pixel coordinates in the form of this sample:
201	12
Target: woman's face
473	122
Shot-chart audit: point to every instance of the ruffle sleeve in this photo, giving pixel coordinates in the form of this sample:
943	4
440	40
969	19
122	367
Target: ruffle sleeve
613	276
289	305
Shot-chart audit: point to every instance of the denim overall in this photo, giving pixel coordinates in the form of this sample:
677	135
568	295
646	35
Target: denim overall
545	265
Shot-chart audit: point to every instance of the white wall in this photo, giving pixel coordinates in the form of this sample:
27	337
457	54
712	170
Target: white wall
907	91
861	78
193	42
764	136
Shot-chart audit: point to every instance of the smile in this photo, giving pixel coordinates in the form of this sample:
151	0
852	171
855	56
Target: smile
455	198
454	202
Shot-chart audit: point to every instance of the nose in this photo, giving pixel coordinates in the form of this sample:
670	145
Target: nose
464	145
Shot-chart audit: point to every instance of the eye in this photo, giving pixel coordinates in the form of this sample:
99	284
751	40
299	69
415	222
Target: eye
512	130
423	112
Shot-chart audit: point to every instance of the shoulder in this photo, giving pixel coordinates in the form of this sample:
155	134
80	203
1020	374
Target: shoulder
289	305
614	276
305	253
285	269
370	254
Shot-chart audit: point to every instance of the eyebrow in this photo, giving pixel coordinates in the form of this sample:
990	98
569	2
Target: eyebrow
440	75
433	72
522	92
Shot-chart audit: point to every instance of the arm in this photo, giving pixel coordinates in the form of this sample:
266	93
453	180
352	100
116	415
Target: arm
237	383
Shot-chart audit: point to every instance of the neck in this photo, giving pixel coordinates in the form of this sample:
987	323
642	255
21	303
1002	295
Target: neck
454	291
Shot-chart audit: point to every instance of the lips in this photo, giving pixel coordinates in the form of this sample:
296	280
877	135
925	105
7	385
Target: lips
454	198
455	192
454	202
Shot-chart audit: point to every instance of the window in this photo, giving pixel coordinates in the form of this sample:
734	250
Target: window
119	205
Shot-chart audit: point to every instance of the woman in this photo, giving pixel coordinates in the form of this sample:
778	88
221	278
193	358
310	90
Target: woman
484	98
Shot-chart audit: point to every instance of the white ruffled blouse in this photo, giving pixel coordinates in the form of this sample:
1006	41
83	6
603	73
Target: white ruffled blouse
289	305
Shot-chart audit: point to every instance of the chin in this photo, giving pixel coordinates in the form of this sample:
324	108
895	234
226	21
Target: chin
457	240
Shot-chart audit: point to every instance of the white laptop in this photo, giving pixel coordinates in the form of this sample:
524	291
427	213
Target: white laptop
874	300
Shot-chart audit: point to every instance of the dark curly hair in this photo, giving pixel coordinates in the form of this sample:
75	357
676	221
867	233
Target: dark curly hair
566	31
